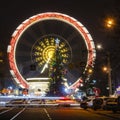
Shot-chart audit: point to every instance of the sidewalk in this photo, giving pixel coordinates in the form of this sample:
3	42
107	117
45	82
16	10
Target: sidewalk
106	113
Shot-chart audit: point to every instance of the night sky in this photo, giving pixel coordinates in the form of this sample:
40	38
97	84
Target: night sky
89	12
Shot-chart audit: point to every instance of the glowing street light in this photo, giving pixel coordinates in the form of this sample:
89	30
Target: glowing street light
110	22
99	46
105	69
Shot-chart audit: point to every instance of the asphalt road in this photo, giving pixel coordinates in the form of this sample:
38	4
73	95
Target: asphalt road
55	113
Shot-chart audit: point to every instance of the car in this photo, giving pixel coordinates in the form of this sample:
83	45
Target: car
87	103
110	103
99	102
16	103
113	104
94	103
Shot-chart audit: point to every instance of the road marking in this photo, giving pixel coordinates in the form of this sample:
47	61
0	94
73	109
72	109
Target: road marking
5	111
47	114
17	114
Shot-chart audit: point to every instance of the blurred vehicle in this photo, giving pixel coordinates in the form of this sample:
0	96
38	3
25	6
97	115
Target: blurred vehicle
66	102
87	103
99	103
47	101
16	103
94	103
113	104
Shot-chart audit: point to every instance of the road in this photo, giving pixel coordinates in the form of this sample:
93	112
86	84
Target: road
55	113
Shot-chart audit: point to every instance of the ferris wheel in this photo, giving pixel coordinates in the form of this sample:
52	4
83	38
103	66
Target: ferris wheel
34	41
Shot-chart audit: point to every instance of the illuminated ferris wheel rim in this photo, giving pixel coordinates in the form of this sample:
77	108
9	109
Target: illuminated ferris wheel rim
41	17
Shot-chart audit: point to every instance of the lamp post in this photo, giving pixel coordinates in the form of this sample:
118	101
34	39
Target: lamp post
109	74
110	23
108	70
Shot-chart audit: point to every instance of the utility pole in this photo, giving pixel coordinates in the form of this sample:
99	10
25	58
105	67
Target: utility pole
109	74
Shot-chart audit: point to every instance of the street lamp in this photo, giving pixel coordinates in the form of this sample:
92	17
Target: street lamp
107	69
99	46
110	22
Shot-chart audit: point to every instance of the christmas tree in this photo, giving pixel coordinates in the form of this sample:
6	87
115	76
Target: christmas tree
56	86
